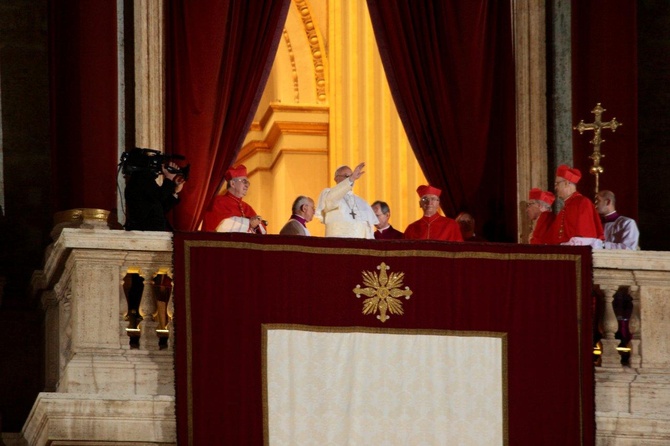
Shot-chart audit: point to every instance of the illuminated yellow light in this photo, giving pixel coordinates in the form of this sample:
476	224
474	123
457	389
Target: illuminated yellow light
597	351
163	331
135	330
134	270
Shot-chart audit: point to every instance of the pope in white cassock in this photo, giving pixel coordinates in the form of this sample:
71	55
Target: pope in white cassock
344	213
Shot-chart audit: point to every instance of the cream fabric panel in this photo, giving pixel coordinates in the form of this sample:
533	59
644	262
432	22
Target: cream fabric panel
337	388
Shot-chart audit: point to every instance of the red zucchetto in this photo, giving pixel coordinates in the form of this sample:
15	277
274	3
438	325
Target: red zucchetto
235	172
428	190
572	175
541	195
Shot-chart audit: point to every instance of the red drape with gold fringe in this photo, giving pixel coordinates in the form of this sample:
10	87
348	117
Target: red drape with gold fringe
228	285
219	55
450	66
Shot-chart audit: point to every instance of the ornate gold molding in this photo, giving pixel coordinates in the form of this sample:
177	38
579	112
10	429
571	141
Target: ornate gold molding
81	214
316	49
278	155
279	129
294	70
276	107
82	218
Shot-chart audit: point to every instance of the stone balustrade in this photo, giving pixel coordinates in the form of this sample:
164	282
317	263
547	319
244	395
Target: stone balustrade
109	358
633	400
103	362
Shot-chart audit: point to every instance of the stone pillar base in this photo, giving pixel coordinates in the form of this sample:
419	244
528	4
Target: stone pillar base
59	419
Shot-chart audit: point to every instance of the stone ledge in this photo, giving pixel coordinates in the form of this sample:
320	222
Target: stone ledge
125	243
631	260
622	429
119	375
85	419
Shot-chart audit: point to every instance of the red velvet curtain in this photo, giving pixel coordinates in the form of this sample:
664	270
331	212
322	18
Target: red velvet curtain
228	285
219	54
84	104
604	69
450	67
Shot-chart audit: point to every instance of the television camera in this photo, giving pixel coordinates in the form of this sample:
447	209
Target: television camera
150	160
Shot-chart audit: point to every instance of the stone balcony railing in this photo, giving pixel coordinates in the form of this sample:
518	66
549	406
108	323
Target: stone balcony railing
109	352
109	358
633	400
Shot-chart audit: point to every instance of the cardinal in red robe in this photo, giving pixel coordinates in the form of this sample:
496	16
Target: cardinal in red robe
579	217
229	212
432	226
539	211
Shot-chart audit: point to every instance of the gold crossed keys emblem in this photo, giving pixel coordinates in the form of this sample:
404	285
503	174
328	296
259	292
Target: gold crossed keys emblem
383	291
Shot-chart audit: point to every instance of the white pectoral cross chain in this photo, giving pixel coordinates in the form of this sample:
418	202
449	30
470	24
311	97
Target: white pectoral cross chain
352	208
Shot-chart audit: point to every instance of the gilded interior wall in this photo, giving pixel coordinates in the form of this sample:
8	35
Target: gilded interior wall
286	150
365	125
327	103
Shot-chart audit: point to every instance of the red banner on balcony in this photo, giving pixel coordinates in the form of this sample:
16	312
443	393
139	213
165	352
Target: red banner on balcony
235	292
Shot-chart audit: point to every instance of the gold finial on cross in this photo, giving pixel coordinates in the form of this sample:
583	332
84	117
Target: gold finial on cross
597	125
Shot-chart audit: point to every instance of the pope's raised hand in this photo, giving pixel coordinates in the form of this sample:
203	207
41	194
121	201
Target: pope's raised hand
358	171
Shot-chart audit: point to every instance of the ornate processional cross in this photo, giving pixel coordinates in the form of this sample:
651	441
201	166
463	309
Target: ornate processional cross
597	125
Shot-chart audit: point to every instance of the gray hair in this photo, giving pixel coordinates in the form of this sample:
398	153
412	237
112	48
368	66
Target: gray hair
299	202
341	168
383	206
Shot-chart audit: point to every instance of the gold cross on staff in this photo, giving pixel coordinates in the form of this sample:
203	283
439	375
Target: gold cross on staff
597	125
